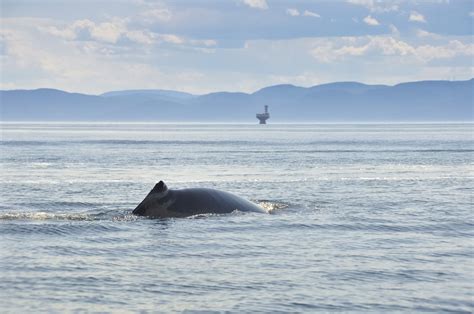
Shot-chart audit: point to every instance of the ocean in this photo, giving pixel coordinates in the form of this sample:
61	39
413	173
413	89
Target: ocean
361	217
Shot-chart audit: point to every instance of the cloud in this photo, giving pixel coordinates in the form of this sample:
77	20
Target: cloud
306	78
377	6
67	33
394	30
416	17
292	12
452	49
108	32
117	32
86	66
205	42
369	20
310	13
170	38
331	50
471	14
365	3
257	4
424	34
141	37
157	15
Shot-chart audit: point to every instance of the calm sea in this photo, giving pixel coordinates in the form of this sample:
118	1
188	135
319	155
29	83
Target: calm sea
361	218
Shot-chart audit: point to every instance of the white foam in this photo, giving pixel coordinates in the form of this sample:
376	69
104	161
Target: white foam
43	216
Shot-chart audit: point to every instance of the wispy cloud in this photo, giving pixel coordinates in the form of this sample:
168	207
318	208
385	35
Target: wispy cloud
292	12
116	30
109	32
87	66
310	13
329	50
257	4
416	17
377	6
141	36
160	14
424	34
394	30
369	20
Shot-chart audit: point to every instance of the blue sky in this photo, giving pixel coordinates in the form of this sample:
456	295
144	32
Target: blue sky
235	45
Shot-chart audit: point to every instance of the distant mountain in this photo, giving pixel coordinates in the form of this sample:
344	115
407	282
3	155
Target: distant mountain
152	94
336	102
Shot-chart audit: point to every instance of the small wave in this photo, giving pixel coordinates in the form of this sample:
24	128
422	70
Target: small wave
90	215
343	151
272	206
46	216
207	215
163	142
125	217
60	206
269	206
129	142
28	143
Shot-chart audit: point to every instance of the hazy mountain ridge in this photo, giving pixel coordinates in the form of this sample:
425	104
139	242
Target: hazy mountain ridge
343	101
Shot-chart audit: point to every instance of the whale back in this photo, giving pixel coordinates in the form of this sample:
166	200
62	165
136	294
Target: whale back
203	200
162	202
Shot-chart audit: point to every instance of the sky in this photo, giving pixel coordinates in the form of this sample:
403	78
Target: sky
94	46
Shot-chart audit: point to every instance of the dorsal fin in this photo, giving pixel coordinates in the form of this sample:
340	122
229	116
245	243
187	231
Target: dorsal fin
160	187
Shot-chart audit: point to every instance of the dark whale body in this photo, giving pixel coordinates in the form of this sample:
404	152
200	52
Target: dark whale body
163	203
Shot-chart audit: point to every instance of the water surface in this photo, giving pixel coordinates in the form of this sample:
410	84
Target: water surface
363	217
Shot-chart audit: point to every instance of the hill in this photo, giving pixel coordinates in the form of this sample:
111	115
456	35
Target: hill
335	102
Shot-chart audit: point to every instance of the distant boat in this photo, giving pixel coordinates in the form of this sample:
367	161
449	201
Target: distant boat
263	116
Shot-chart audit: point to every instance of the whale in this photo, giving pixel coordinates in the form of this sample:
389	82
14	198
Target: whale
162	202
